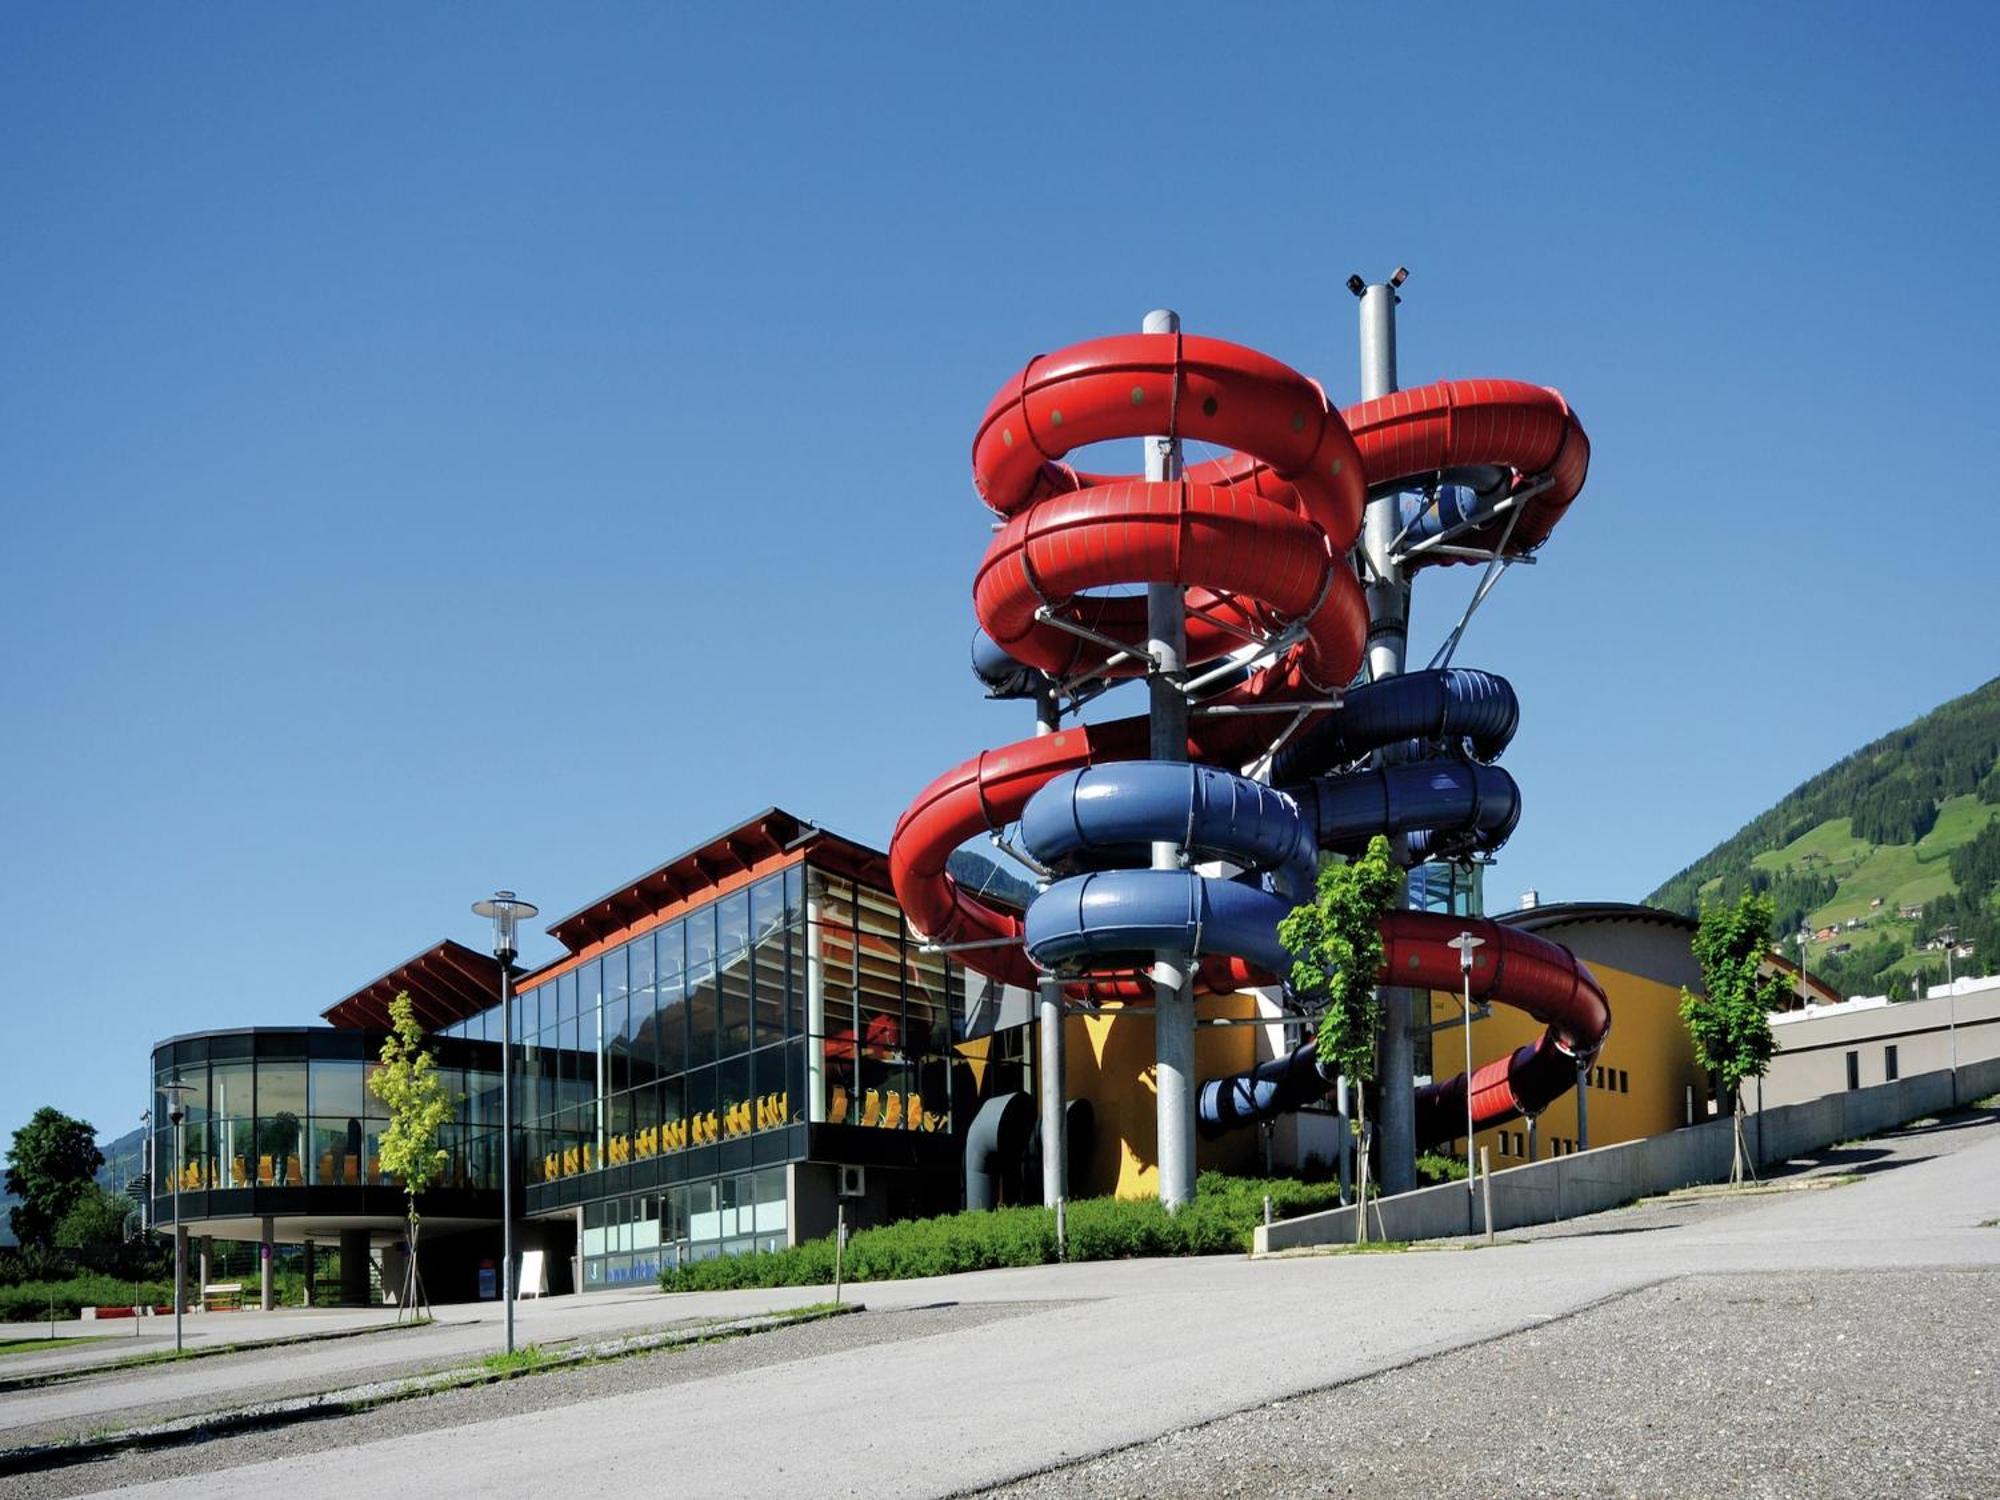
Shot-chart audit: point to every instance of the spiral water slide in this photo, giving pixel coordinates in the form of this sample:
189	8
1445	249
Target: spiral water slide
1260	540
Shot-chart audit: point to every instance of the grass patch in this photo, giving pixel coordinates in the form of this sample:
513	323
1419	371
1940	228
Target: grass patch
527	1357
30	1301
37	1346
1221	1220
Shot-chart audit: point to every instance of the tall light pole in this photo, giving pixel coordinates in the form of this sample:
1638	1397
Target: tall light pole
152	1178
177	1092
506	909
1804	933
1465	943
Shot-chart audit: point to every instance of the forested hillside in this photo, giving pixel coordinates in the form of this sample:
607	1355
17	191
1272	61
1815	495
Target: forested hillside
1884	852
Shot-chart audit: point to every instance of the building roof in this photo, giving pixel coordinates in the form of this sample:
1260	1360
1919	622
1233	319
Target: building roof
1566	913
726	859
1570	913
446	983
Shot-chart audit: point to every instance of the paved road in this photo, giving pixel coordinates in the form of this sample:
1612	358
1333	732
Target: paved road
1120	1355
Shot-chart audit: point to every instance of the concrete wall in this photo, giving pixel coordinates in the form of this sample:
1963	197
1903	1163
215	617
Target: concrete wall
1592	1181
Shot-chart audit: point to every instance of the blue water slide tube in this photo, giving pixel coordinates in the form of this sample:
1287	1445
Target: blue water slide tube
1268	1090
1466	498
1121	918
1110	815
1455	704
1004	677
1450	808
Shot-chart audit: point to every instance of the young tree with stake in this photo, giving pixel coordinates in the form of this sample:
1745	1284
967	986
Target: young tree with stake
1730	1025
419	1106
1335	941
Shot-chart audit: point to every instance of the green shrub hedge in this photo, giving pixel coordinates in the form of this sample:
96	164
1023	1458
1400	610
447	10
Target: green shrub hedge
1220	1221
28	1301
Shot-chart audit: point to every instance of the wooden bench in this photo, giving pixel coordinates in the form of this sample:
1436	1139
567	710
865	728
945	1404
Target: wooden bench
219	1296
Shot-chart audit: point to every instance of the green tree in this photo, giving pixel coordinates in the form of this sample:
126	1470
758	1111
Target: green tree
53	1159
1335	941
93	1228
411	1088
1730	1024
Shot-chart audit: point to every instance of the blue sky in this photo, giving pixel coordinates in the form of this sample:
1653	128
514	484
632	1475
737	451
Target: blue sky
465	446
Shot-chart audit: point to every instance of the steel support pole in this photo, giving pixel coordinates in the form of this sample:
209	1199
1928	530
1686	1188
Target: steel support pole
1582	1106
1055	1058
1388	593
1470	1176
506	958
1173	978
180	1243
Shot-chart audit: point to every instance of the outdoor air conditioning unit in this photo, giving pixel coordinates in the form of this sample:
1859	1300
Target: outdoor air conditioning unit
853	1182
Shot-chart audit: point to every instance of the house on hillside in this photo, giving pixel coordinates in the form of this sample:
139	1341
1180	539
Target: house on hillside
1910	911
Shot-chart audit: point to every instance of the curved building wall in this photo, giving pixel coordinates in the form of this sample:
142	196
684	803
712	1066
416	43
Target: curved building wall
281	1122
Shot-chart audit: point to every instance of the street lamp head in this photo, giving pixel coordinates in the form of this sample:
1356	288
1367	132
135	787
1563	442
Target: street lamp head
506	911
176	1092
1465	942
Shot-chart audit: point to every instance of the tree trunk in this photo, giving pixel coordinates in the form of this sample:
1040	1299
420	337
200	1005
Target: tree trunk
1361	1162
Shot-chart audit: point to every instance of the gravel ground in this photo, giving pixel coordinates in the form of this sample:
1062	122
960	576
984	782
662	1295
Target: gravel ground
1865	1384
525	1394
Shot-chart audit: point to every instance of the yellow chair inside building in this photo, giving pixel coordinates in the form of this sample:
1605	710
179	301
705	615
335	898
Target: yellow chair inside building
871	1110
836	1106
892	1113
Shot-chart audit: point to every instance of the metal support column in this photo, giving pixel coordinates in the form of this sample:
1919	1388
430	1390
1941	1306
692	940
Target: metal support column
1583	1106
1173	977
1388	594
1055	1060
267	1250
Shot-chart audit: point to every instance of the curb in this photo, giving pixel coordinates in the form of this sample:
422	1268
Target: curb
203	1426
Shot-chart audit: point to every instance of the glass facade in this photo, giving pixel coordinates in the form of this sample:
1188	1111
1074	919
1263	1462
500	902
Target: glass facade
290	1108
800	999
629	1240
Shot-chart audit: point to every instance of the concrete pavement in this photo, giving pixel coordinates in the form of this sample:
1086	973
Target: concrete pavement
1124	1352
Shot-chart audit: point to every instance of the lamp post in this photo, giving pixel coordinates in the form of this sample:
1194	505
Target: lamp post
506	909
152	1178
1804	934
177	1092
1465	943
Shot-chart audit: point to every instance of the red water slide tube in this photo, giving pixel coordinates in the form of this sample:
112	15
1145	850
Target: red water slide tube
1260	540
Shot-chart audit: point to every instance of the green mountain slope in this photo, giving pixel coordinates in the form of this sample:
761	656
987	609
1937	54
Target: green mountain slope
1893	845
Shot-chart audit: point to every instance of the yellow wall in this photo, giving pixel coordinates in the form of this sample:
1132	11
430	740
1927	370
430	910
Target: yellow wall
1111	1063
1647	1041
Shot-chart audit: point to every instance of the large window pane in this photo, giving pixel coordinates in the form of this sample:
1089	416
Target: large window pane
767	907
768	979
336	1089
700	937
733	991
701	1010
732	922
